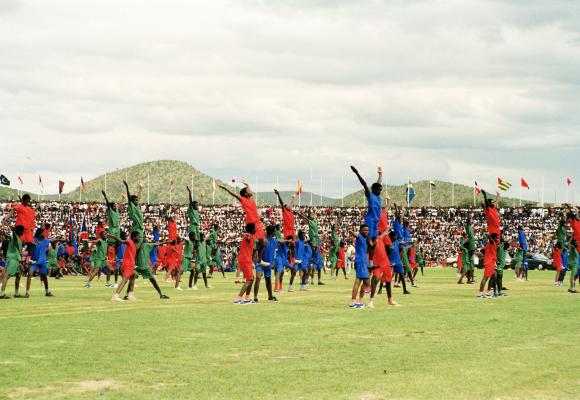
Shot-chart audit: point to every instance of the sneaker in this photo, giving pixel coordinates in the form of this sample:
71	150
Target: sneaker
415	285
238	301
290	289
273	299
26	296
116	297
481	296
116	285
164	296
246	302
321	283
49	294
406	292
255	301
371	305
304	289
4	297
394	304
209	287
572	290
194	287
131	296
351	305
359	306
179	288
18	296
87	286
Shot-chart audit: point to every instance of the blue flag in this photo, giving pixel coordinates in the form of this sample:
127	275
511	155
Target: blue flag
71	235
410	193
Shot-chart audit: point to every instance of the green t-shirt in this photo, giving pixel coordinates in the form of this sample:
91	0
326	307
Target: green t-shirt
278	235
312	228
188	249
142	259
52	255
101	250
213	237
333	253
573	258
202	253
465	259
562	236
519	257
470	237
334	238
14	251
193	217
501	256
114	220
136	217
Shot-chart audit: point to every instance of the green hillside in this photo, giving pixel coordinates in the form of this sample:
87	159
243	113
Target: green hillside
160	174
441	196
270	198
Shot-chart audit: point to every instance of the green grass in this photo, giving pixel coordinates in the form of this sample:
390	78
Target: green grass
442	343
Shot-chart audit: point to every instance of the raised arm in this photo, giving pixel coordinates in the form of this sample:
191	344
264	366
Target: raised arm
304	217
189	194
106	200
230	192
380	174
247	186
279	198
361	180
140	192
483	192
128	192
497	199
292	200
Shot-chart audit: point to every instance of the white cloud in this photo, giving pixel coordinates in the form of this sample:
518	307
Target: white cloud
432	90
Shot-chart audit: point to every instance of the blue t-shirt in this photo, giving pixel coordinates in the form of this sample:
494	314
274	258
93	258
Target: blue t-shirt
398	228
39	253
270	250
299	251
120	254
281	253
307	255
406	237
360	250
374	208
522	240
394	255
319	262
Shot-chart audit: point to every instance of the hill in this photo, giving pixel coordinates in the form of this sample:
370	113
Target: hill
270	198
441	196
158	174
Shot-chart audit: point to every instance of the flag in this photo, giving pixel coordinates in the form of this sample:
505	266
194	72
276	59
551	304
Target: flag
568	181
71	234
40	184
299	188
477	188
503	185
20	180
410	193
432	183
82	184
524	184
213	185
84	232
4	181
234	181
60	187
171	185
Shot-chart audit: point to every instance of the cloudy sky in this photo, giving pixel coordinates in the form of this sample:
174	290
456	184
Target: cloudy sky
451	90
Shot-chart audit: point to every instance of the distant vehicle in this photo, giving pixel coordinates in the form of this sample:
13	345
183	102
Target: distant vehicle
536	261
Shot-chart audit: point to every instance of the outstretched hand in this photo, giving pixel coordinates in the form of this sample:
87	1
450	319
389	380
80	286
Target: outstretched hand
276	191
353	169
380	169
126	184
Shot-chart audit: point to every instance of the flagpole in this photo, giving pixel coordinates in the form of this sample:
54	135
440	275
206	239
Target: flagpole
342	191
321	190
520	194
430	198
277	184
311	187
256	189
408	194
542	202
452	194
213	191
567	187
474	194
171	191
148	188
81	194
105	182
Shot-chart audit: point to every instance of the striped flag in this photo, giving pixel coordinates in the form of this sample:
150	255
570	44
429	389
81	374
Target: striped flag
524	184
299	187
503	185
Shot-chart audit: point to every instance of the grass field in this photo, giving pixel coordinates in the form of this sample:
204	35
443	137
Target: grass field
442	343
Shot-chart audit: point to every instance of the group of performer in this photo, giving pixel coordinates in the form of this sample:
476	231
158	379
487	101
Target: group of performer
386	254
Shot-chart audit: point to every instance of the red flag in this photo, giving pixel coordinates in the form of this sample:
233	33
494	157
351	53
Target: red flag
568	181
477	188
525	184
60	187
299	188
82	184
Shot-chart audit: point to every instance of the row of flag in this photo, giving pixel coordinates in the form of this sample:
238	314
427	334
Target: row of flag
504	185
6	182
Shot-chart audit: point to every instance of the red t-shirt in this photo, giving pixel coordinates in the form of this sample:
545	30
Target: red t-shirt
249	206
99	230
383	221
129	256
380	258
47	232
246	250
172	230
288	223
341	257
490	256
576	228
492	217
25	216
557	258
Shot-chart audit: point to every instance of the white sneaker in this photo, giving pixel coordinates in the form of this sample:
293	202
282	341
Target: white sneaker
209	287
394	304
131	296
194	287
371	305
116	297
116	285
178	288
